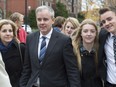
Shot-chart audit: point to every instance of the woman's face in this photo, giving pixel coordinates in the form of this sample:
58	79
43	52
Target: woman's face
88	33
69	29
6	34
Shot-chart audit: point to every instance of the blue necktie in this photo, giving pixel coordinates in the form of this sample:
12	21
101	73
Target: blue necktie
43	48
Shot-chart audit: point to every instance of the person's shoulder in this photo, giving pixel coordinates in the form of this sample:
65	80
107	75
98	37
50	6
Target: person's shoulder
61	35
22	44
34	34
103	32
57	29
17	45
21	30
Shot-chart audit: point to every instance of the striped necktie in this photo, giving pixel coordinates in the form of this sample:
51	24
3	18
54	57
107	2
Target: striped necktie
43	48
114	45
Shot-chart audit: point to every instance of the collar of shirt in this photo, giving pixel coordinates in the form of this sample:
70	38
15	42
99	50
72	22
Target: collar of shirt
111	35
47	35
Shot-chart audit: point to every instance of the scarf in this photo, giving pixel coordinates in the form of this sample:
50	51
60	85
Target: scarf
4	48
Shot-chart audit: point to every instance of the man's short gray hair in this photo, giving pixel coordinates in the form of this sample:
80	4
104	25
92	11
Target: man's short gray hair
43	7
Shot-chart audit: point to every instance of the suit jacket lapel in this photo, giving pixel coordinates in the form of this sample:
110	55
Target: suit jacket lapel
51	45
36	42
105	37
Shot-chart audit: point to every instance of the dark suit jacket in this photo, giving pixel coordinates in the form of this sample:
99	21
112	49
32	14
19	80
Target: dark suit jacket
59	67
102	65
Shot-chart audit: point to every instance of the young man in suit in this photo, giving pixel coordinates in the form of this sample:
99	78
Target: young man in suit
107	59
58	67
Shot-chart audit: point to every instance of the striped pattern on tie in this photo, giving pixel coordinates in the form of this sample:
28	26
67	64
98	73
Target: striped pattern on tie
43	48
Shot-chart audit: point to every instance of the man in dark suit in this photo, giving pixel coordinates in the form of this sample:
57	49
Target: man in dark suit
107	59
58	67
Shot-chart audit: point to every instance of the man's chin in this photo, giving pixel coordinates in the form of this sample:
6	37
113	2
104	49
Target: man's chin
111	31
44	32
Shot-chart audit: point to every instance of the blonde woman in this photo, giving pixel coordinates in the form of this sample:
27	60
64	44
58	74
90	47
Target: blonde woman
85	45
12	51
70	25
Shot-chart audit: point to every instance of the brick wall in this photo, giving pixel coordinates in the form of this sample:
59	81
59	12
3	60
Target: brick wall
18	6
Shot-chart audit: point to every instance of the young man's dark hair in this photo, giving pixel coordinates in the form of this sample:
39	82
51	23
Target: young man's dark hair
103	10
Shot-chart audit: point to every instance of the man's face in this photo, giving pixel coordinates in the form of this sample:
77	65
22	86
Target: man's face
44	21
108	19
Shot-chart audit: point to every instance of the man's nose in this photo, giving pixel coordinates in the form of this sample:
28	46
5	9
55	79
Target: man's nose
42	21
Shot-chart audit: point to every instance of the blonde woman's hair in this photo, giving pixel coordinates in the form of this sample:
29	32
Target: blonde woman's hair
14	27
73	21
78	40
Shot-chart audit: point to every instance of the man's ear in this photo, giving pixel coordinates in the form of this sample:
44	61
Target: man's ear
53	19
16	21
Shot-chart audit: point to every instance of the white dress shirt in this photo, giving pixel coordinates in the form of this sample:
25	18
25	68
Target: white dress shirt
111	66
48	36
